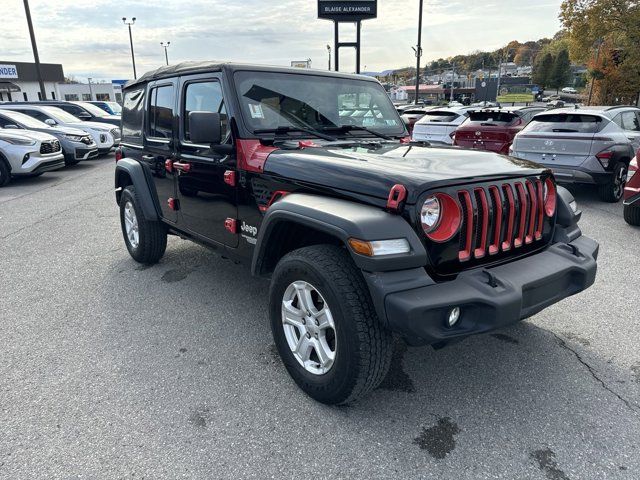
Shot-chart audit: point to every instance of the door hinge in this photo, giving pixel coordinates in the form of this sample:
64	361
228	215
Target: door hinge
230	178
174	204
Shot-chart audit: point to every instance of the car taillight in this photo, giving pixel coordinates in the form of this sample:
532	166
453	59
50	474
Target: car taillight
440	217
119	154
518	122
633	167
549	197
605	157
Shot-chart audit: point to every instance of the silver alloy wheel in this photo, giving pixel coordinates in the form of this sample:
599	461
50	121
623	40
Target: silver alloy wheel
619	182
131	225
309	327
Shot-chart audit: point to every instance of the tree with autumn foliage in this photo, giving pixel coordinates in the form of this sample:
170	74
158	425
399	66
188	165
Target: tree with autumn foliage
605	34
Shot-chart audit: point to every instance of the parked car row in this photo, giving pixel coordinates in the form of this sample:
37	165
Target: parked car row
593	145
35	134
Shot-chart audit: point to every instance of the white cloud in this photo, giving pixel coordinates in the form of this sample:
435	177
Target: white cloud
89	39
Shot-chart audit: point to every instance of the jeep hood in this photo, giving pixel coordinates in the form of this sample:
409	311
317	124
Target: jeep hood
373	172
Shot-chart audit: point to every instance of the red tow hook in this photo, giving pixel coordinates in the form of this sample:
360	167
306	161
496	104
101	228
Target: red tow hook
397	195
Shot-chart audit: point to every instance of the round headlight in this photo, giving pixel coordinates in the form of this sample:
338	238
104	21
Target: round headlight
430	214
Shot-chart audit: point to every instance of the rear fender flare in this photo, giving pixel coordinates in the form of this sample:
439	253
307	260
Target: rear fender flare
131	169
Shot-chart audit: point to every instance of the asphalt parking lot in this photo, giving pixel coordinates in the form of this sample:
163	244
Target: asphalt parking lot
112	370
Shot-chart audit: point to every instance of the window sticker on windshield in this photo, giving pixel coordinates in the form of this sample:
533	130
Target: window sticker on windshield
391	122
256	110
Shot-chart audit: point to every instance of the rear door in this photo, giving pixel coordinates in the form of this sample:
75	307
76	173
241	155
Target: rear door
159	142
630	123
562	139
206	190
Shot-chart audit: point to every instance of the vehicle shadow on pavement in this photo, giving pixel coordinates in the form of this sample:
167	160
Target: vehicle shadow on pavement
198	323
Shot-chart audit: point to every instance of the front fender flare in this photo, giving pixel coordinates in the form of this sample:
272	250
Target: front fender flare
133	169
343	219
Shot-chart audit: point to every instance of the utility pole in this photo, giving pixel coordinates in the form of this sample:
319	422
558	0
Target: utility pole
593	80
418	51
34	46
453	78
133	58
329	50
90	89
499	76
166	55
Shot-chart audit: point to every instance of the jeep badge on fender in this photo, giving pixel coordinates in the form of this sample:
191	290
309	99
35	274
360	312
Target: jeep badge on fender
361	233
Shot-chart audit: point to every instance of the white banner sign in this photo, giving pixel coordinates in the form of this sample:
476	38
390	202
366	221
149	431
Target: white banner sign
8	71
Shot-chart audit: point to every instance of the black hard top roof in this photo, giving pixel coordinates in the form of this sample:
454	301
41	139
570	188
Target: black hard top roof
187	68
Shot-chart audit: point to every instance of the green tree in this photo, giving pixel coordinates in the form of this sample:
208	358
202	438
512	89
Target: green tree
542	70
561	71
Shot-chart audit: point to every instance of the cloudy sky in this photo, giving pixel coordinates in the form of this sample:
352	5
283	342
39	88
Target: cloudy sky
89	39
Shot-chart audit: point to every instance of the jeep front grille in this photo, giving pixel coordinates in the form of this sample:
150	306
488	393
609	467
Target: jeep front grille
499	220
49	146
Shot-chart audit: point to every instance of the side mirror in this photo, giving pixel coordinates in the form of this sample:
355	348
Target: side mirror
83	116
204	128
51	122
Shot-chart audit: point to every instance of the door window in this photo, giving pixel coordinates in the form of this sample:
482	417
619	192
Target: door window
36	114
204	97
161	112
629	121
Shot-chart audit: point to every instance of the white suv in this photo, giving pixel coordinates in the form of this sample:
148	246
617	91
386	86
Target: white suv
439	125
28	153
106	136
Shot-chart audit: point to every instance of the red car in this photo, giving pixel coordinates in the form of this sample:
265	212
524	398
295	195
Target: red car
632	193
493	129
411	115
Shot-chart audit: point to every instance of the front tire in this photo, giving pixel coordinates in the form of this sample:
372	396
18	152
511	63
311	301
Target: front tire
5	173
611	192
325	326
632	215
146	240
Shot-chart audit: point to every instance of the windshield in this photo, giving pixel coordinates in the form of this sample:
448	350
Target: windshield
271	100
496	118
95	111
24	120
60	115
115	107
566	122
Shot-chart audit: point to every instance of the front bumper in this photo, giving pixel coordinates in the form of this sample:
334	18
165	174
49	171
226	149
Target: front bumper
54	163
491	298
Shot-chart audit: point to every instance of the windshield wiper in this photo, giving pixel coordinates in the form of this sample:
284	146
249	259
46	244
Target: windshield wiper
289	129
348	128
565	130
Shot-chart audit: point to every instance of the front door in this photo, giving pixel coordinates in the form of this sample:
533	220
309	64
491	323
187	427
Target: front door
159	144
206	189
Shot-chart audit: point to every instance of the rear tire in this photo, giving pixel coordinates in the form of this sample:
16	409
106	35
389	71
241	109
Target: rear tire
146	240
5	173
632	215
362	347
613	191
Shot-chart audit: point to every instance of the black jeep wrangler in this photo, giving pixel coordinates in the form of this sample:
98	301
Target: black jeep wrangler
310	179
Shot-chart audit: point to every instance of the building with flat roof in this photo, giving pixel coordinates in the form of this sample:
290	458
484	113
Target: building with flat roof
19	81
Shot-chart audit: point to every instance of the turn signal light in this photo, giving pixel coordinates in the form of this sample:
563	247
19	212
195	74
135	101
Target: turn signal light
379	248
119	154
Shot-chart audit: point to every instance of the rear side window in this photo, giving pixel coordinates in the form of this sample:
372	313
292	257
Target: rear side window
629	121
440	117
566	123
161	112
204	97
133	115
492	118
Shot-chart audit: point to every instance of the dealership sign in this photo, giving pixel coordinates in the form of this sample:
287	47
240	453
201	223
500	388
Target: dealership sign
8	71
347	10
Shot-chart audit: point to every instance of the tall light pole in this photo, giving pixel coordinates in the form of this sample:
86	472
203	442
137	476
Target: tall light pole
90	90
329	50
165	45
133	57
34	46
418	51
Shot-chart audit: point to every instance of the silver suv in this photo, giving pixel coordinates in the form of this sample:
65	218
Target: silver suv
580	146
26	153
